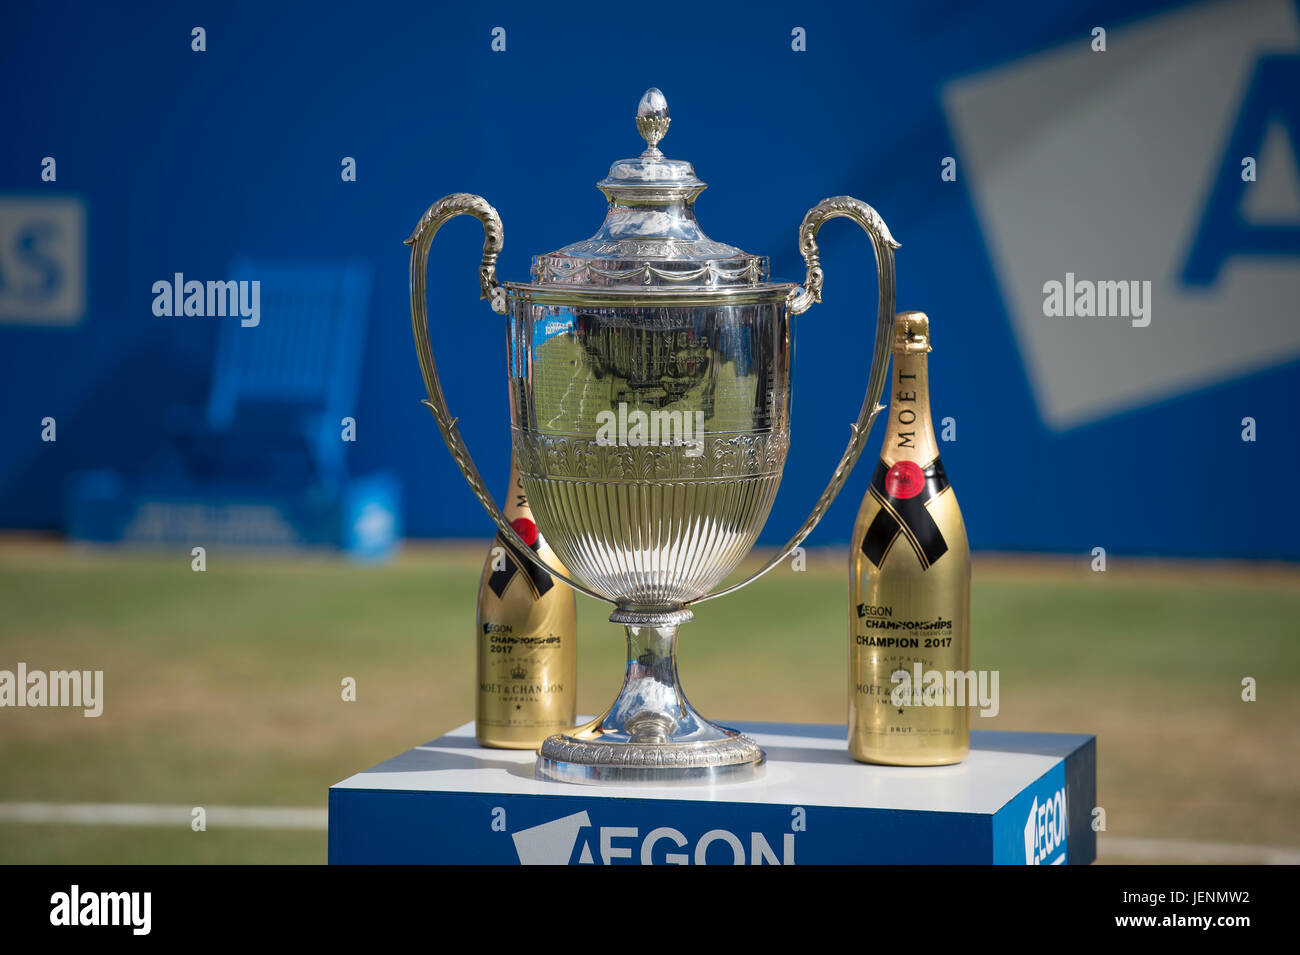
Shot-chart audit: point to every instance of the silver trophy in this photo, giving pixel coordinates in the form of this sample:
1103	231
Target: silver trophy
649	372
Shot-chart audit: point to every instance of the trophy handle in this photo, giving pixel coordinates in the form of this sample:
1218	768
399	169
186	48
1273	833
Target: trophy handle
801	299
448	207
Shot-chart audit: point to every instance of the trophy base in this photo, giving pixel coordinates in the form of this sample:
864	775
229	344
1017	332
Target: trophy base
601	761
651	734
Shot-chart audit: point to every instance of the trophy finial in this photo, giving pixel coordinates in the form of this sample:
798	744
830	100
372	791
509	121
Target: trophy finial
652	121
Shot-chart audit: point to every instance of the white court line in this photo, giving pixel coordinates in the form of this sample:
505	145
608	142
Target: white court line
272	817
1177	850
142	814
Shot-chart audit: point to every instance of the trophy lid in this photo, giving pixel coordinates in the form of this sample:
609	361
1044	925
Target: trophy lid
650	238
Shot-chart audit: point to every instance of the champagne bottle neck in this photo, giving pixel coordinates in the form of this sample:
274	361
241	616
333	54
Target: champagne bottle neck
909	435
516	504
519	514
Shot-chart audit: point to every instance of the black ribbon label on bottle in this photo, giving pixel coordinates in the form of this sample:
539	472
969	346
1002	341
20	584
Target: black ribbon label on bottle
904	510
539	579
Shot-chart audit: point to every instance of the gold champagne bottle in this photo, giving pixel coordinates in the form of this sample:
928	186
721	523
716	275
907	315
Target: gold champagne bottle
527	639
909	585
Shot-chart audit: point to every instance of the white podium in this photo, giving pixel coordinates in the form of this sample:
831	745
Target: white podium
1019	798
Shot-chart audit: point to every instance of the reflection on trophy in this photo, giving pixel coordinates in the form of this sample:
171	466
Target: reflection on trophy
619	346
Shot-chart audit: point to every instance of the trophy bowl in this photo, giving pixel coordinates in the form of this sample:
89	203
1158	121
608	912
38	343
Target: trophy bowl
649	372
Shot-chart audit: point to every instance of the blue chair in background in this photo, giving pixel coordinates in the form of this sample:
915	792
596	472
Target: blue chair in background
280	389
263	463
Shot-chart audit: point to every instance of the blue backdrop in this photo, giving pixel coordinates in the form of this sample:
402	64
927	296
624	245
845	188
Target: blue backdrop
184	160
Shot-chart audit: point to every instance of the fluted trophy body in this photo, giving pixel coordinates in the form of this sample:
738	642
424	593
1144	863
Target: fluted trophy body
649	372
657	517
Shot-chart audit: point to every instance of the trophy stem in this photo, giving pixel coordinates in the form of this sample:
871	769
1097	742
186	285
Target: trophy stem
651	733
651	706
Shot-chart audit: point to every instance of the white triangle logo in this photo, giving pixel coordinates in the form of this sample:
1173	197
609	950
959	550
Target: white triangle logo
551	843
1103	165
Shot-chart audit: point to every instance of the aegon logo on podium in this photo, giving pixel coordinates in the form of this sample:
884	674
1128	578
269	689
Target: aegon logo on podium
1045	831
573	839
